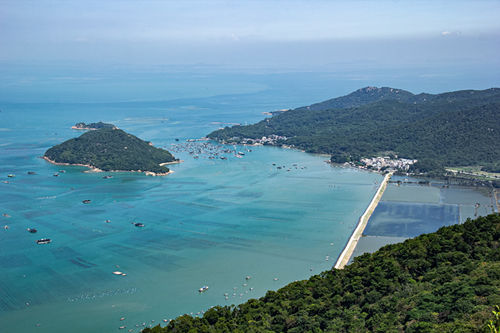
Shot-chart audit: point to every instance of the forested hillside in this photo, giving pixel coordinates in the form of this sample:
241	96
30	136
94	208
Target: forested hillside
111	149
456	128
447	281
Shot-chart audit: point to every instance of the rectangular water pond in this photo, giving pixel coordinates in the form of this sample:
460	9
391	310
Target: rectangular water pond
401	219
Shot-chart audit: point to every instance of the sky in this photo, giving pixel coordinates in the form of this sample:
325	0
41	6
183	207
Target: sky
291	34
127	50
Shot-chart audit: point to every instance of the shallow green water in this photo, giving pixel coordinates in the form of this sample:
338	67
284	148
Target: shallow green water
212	222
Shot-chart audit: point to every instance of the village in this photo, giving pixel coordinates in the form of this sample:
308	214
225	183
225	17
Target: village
387	164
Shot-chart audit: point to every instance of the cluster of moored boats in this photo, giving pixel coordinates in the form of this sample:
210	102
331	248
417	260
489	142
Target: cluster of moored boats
208	150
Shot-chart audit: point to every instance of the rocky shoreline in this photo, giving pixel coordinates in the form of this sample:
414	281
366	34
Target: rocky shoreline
94	169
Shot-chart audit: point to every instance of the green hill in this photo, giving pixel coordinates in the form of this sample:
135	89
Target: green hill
111	149
451	129
447	281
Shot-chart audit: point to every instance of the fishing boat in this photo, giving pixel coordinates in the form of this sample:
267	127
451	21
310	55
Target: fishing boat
44	241
32	230
139	224
86	201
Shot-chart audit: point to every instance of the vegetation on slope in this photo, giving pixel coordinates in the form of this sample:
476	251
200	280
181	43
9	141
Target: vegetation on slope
447	281
93	126
452	129
111	149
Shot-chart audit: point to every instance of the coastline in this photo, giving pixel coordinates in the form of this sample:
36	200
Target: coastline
346	254
94	169
173	162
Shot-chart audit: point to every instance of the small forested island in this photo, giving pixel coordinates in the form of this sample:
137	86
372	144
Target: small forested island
93	126
109	149
447	281
431	132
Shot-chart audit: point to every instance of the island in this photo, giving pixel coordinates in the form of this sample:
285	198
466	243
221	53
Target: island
93	126
388	129
109	149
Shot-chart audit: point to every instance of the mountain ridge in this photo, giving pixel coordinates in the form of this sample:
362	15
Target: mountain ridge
450	129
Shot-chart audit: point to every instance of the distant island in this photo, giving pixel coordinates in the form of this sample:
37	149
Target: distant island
387	128
93	126
108	149
446	281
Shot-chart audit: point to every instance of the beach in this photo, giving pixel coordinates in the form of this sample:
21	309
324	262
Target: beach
346	254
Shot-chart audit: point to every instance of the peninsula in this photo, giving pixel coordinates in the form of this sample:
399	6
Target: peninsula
109	149
389	129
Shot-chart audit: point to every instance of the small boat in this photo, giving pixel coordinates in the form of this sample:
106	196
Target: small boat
117	273
10	175
248	277
32	230
44	241
86	201
31	173
241	153
139	224
239	156
122	327
203	289
62	171
56	175
107	177
108	221
122	318
223	158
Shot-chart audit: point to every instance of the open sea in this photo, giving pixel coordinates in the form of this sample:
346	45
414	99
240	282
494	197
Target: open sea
211	222
240	226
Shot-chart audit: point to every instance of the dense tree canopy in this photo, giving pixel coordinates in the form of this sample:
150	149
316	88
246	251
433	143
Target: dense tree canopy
452	129
447	281
111	149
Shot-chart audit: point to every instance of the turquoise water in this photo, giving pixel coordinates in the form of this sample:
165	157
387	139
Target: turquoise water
211	222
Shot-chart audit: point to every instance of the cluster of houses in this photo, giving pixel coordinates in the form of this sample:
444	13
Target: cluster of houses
387	163
265	140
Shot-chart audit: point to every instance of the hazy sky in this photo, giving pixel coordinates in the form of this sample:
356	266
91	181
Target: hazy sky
249	33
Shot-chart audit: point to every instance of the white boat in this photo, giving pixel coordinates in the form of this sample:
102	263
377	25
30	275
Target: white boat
117	273
203	289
